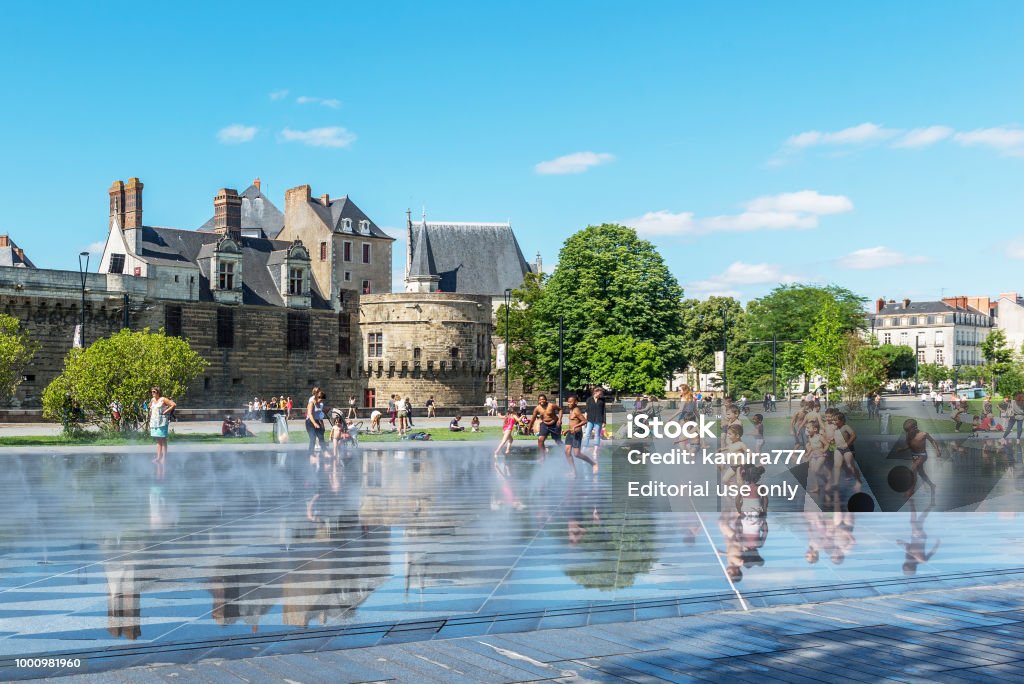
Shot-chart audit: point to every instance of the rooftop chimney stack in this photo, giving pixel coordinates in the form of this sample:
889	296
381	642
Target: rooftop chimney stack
132	204
879	304
227	213
116	193
257	184
906	303
325	200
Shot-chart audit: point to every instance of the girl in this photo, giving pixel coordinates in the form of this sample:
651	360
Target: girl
159	408
511	419
758	420
402	414
338	433
474	425
817	452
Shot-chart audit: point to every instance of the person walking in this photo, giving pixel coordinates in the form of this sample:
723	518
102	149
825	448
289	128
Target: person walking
392	412
352	414
1016	415
400	414
160	408
596	418
507	429
288	409
550	416
408	411
430	407
315	421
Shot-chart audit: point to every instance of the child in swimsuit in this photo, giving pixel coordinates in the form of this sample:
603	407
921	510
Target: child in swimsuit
735	451
817	453
758	420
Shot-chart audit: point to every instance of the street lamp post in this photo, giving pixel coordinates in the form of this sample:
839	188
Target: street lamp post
725	350
83	271
508	303
917	362
561	341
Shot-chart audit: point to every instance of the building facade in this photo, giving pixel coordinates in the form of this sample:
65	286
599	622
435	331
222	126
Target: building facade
947	332
275	301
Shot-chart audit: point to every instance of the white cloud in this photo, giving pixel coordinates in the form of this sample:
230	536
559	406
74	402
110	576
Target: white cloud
577	162
1006	139
803	201
279	94
739	274
95	248
236	133
324	101
923	137
855	135
877	257
331	136
1015	249
785	211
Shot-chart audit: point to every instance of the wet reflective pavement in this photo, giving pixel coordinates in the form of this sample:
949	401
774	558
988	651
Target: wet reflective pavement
100	551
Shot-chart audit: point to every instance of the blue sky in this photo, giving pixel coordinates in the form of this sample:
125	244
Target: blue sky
877	145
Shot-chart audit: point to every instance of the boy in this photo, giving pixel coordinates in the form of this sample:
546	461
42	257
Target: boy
574	438
844	438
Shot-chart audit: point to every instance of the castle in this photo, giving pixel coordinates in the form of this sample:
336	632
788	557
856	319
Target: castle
280	301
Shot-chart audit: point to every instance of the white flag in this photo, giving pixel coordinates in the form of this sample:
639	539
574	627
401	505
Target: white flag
501	359
77	342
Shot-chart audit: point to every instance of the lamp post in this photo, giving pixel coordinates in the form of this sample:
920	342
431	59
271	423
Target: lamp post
83	271
917	361
508	302
725	350
561	340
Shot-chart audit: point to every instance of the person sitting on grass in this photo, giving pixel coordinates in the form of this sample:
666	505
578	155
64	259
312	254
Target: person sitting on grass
454	425
474	424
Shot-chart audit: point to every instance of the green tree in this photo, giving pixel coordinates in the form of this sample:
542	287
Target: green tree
16	351
825	344
933	373
628	366
607	282
899	360
997	353
864	369
705	326
522	353
120	368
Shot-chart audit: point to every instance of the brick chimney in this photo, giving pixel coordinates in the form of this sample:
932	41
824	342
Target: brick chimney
325	200
906	303
879	304
5	241
133	204
116	193
257	183
227	213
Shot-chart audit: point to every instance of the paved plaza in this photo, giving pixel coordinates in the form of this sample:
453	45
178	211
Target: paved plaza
226	561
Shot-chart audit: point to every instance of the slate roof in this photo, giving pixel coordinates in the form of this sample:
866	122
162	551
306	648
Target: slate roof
422	263
183	248
472	258
10	257
343	208
897	308
258	213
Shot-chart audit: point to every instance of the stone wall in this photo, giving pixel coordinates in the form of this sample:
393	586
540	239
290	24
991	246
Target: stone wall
419	333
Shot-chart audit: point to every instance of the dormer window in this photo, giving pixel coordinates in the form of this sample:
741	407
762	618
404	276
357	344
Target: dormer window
364	227
346	224
295	278
226	275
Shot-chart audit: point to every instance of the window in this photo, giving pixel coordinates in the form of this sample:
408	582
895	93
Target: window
904	338
295	281
940	338
366	287
298	332
175	278
366	253
931	320
323	251
226	275
920	356
225	328
344	331
375	345
939	358
913	320
116	263
417	353
887	338
172	320
455	352
489	387
481	347
364	227
347	249
348	276
346	224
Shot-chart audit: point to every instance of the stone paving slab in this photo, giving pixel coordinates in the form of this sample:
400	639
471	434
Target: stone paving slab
978	640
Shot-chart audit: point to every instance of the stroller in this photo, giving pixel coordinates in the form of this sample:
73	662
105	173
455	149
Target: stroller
349	431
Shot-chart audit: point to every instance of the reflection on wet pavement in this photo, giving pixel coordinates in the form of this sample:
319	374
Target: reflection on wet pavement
98	550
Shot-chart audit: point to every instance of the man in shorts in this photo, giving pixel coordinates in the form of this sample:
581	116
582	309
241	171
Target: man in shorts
550	422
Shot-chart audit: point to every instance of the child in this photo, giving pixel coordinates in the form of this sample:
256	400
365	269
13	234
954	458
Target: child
817	452
844	439
375	421
758	420
511	419
735	450
474	425
574	437
454	426
338	433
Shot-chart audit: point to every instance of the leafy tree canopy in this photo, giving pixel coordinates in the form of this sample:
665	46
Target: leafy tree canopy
16	350
120	368
628	366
